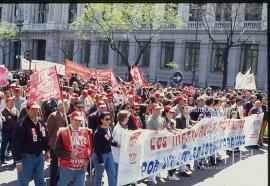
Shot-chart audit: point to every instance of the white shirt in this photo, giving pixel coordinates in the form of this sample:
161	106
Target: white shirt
117	135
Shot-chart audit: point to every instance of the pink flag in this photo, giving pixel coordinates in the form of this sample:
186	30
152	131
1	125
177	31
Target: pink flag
3	76
136	74
44	84
115	83
103	75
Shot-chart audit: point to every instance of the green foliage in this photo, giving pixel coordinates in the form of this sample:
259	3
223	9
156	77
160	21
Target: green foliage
7	30
106	18
173	65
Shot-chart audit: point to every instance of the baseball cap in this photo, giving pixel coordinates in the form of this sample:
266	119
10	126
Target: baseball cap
32	105
76	115
155	105
101	104
169	108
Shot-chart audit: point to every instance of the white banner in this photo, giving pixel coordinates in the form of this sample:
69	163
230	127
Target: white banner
245	81
252	129
39	65
149	152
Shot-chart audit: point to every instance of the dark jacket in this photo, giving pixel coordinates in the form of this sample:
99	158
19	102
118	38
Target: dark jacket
10	123
131	125
181	122
30	138
55	121
94	121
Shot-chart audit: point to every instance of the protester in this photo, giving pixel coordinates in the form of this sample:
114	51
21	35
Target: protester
102	155
10	115
55	121
28	144
134	121
118	131
73	147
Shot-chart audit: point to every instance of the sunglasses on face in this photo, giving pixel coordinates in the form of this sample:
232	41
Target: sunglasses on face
80	107
107	119
136	109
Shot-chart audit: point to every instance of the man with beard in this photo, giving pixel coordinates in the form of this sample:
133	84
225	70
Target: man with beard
134	121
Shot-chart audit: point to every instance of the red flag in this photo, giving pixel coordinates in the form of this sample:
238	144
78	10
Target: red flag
3	76
115	83
103	75
189	91
44	84
138	79
82	71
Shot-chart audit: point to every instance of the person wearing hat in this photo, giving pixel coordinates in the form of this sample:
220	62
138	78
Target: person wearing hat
10	115
73	148
154	122
18	97
55	121
28	144
93	119
170	124
180	101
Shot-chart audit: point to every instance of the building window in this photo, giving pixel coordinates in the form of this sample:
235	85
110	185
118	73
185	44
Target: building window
145	57
253	12
86	52
167	54
249	57
41	49
72	12
69	48
103	52
124	48
192	55
0	14
217	64
195	11
43	10
223	11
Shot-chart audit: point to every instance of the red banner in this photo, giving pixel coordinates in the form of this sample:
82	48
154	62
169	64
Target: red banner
3	76
189	91
82	71
44	84
137	76
103	75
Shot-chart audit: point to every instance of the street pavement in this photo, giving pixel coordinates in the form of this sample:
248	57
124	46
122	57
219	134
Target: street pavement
251	170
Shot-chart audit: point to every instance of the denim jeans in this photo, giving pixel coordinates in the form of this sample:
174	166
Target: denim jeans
33	166
99	169
66	175
116	171
6	138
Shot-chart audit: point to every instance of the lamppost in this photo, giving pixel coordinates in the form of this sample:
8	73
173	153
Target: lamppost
19	24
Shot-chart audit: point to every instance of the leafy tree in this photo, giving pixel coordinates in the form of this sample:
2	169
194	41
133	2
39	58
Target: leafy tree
230	22
131	20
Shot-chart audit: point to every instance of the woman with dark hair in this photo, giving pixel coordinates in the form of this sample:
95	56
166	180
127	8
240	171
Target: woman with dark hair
102	156
191	101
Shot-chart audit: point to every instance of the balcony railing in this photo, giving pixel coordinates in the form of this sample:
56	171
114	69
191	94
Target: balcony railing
222	25
194	25
253	25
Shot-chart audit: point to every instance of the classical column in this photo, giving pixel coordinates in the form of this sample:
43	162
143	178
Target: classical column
232	67
153	60
203	60
261	75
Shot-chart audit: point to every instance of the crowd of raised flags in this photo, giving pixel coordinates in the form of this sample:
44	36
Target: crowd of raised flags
98	104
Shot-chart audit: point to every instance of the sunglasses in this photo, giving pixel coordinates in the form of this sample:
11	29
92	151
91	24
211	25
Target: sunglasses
107	119
136	109
80	107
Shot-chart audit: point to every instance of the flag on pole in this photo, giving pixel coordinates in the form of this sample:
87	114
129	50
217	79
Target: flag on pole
137	77
114	81
44	84
3	76
245	81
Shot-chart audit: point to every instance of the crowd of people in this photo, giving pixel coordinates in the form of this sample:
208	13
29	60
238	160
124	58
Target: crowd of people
88	124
